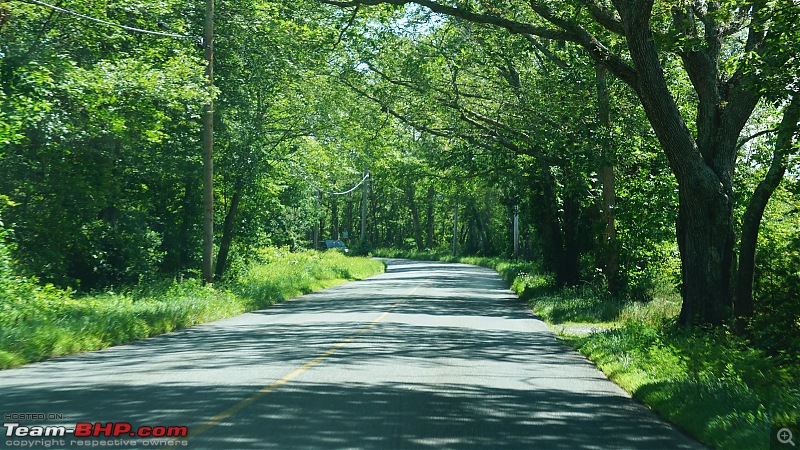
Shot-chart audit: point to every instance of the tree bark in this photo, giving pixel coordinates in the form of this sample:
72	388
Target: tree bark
348	216
751	222
608	240
560	252
187	220
570	222
364	208
412	206
228	230
704	172
455	228
335	217
429	237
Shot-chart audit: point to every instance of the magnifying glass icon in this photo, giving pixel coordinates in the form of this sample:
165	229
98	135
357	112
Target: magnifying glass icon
785	436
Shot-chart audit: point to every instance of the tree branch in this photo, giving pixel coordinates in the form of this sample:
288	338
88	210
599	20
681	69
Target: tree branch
565	31
493	134
464	112
346	27
546	52
753	136
606	17
598	52
488	19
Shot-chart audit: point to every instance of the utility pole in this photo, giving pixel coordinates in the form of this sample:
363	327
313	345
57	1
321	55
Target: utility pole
364	206
208	152
516	231
317	221
455	229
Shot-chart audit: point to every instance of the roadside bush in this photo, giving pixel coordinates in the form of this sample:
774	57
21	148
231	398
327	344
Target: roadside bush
115	253
38	322
361	248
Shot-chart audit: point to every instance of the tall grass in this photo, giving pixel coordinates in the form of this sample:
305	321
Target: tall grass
38	322
711	384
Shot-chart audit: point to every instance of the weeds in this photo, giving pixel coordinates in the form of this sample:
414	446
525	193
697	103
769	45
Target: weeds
38	322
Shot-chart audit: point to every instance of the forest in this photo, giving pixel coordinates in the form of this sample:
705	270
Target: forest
637	149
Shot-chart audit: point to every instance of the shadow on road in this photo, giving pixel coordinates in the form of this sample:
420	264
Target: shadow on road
323	416
458	364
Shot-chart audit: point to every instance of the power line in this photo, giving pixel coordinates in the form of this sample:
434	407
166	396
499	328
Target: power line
112	24
351	189
297	172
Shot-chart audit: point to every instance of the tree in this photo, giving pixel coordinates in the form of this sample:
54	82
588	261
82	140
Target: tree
702	159
777	81
460	82
785	145
104	122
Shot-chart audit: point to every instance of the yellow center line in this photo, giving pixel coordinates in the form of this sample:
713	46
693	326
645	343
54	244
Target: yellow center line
217	419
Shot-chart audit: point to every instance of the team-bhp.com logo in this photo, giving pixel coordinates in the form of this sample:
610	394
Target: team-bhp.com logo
87	429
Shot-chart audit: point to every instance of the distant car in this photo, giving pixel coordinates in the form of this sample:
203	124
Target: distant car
335	244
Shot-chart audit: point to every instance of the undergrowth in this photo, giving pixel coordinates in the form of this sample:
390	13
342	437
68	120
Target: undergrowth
711	384
38	322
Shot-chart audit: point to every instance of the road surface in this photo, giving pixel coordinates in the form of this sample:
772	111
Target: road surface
427	355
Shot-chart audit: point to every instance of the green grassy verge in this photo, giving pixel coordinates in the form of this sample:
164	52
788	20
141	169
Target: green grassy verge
713	385
38	322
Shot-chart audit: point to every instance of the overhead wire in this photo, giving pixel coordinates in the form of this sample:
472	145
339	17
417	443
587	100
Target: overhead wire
299	173
112	24
351	189
171	35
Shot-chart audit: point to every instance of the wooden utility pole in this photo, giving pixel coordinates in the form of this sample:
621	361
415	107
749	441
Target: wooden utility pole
317	222
516	231
364	206
455	229
208	152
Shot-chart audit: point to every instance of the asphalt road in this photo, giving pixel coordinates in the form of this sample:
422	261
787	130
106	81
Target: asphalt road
427	355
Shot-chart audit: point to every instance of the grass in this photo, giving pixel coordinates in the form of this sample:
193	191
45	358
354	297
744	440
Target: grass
713	385
38	322
709	383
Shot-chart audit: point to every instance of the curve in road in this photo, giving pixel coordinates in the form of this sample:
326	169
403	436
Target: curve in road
427	355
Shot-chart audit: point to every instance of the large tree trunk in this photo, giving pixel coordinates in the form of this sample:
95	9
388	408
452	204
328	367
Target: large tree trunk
704	167
751	222
705	240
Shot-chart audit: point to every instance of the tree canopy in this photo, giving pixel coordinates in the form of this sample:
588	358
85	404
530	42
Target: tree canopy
636	145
